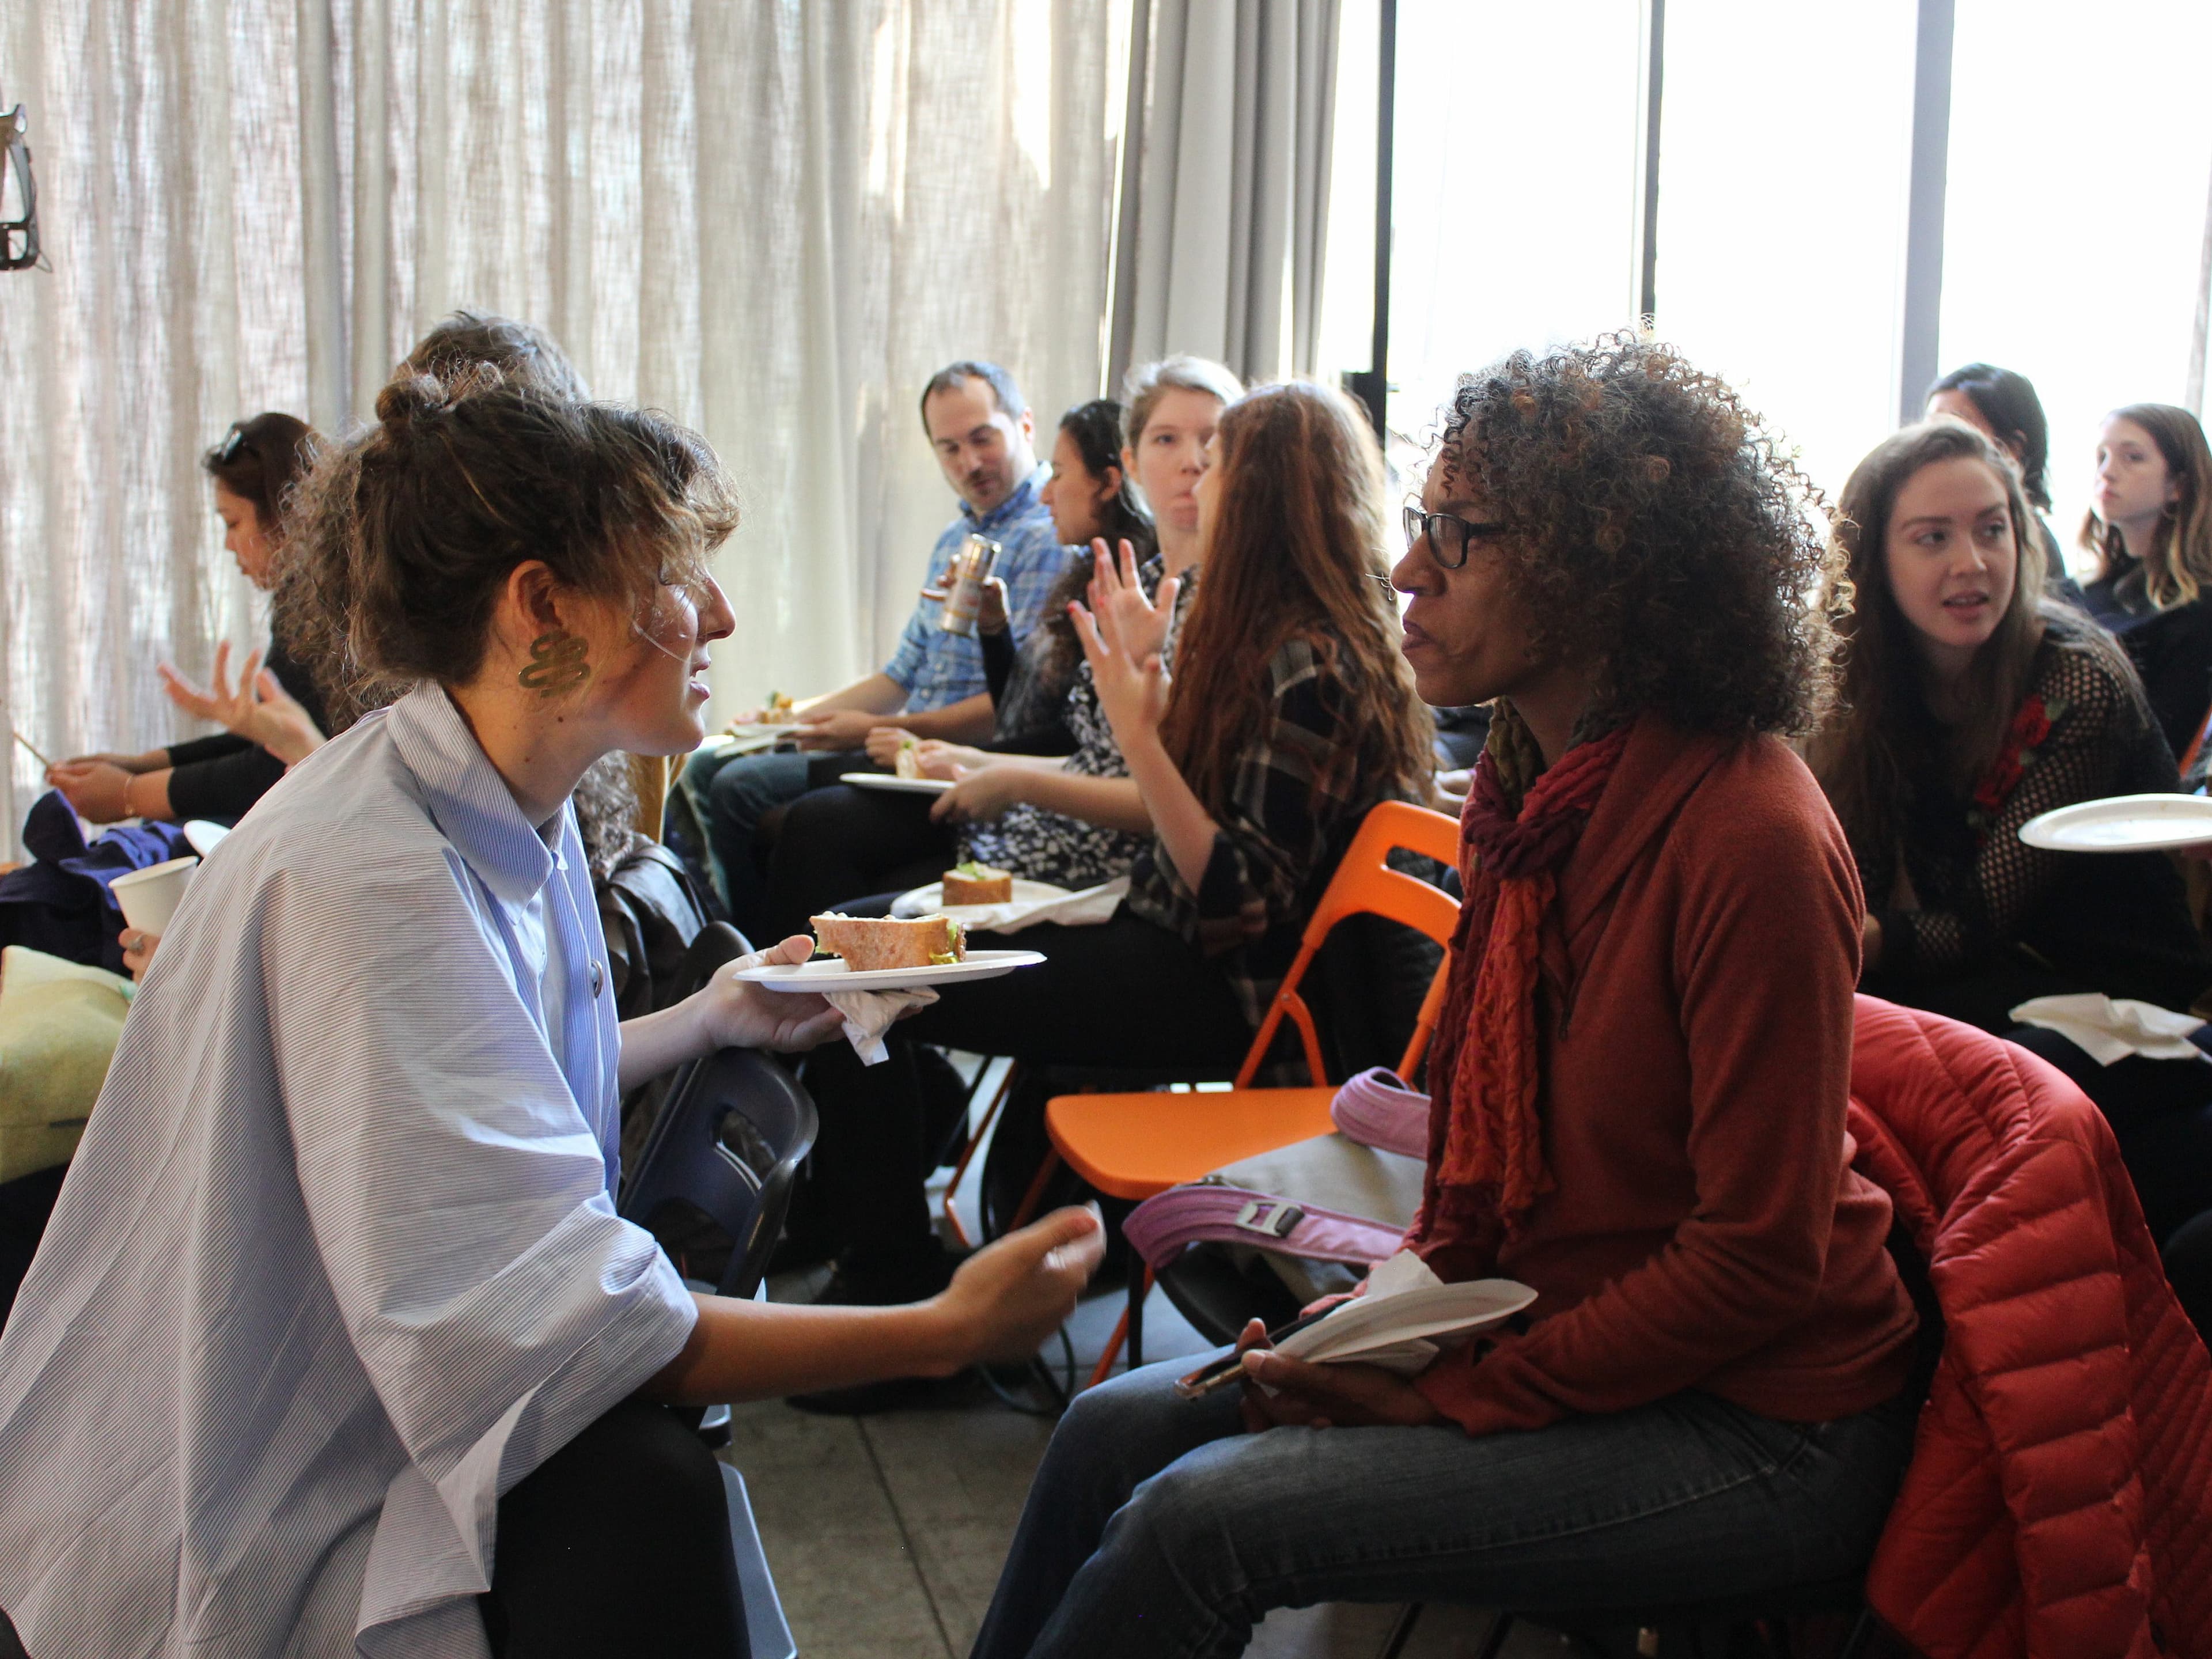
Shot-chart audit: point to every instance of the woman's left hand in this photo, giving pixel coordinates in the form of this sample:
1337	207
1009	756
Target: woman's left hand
736	1013
95	789
1132	691
1330	1396
983	792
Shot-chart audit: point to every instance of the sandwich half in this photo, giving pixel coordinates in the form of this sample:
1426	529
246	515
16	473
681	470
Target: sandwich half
869	946
977	884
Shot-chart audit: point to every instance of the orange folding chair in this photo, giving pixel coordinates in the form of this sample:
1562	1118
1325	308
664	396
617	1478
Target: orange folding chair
1133	1145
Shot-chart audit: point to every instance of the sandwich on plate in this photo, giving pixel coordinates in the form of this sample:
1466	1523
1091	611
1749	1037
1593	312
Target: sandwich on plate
869	946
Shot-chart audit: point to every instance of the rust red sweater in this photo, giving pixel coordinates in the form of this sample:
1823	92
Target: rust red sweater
1705	1230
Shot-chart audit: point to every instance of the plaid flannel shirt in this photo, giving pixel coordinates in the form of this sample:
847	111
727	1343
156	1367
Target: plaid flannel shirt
935	668
1297	795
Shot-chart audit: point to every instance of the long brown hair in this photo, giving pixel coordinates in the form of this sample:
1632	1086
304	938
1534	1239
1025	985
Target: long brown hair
1296	550
2179	565
1863	755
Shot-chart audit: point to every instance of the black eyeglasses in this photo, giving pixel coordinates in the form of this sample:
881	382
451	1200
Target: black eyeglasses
1448	535
19	238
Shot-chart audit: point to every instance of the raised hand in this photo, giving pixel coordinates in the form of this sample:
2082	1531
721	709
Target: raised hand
1118	599
1132	690
260	710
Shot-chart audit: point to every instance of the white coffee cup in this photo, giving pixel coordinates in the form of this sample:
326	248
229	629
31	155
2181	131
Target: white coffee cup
150	896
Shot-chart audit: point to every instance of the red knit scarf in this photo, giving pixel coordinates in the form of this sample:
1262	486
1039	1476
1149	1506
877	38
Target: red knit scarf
1514	836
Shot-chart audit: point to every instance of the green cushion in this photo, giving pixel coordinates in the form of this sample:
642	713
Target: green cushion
59	1026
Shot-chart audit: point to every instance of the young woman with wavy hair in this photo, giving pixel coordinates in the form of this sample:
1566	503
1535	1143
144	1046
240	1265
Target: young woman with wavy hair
1973	704
1639	1087
1289	715
2149	524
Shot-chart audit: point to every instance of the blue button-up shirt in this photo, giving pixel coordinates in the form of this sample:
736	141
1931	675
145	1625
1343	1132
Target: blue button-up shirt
337	1263
936	668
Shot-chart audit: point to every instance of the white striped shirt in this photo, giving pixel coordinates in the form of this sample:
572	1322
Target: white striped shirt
337	1264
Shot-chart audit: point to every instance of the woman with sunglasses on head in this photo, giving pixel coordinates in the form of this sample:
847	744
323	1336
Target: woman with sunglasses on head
274	712
1640	1080
336	1286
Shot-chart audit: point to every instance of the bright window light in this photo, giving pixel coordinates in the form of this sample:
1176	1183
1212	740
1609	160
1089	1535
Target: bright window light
1784	144
2080	154
1514	185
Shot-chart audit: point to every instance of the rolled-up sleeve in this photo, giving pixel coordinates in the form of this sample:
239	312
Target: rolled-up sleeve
458	1200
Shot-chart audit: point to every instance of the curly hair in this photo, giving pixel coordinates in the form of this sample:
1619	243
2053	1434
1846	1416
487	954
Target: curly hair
1658	527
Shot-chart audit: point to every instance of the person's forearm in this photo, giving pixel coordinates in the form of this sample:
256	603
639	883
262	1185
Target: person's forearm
146	795
1176	815
653	1043
878	694
969	720
765	1350
1110	803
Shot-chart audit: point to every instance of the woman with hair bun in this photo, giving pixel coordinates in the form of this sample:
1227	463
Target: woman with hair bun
2002	407
275	712
335	1329
1639	1080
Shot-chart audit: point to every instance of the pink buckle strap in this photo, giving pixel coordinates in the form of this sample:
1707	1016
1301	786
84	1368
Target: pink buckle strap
1376	1109
1161	1226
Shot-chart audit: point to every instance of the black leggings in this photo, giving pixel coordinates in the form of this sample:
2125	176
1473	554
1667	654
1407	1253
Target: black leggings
618	1543
1123	993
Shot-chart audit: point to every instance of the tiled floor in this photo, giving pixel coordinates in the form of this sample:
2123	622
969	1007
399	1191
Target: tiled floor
885	1534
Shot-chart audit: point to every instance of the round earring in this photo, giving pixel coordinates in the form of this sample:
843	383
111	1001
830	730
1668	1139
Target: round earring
556	663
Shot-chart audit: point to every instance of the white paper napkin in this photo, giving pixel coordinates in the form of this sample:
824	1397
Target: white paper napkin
1092	904
2108	1030
869	1014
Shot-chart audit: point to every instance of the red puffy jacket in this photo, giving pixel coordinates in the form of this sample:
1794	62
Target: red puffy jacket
2059	1498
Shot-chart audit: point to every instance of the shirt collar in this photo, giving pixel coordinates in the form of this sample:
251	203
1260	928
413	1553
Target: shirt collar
1022	503
468	798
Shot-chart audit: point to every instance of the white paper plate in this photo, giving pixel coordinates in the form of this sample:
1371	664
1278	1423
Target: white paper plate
204	835
2122	824
830	974
766	729
891	780
930	901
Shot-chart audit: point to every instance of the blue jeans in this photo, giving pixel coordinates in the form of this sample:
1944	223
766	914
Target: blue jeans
1157	1527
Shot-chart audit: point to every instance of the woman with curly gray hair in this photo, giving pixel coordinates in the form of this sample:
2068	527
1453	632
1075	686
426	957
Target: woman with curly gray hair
1707	1398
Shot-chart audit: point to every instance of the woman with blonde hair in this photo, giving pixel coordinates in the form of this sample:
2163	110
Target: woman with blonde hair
2149	524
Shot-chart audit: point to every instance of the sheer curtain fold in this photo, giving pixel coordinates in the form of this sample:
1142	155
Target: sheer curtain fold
771	219
1232	177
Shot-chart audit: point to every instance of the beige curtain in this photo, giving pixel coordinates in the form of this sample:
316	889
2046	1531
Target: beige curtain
772	219
1230	184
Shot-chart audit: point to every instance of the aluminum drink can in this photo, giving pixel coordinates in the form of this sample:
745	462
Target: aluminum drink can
964	584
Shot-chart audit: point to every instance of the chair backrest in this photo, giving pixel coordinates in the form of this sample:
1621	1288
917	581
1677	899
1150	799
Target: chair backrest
1365	884
728	1142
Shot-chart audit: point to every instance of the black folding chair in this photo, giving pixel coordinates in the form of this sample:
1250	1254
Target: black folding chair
728	1143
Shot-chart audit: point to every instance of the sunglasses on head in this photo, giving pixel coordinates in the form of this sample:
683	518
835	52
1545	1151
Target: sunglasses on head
19	238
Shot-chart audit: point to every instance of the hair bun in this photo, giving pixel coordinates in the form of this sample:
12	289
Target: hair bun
409	397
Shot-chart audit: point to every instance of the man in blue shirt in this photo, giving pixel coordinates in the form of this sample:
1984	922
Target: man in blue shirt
985	438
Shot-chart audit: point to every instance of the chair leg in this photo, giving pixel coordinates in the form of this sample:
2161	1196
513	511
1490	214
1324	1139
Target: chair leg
1104	1368
968	1156
1402	1633
1493	1639
1031	1198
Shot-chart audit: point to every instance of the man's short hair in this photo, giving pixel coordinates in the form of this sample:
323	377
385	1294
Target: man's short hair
953	376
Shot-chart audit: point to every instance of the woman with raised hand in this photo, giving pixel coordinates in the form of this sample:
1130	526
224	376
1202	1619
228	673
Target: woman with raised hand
1639	1080
274	714
2149	524
1290	713
335	1284
1971	704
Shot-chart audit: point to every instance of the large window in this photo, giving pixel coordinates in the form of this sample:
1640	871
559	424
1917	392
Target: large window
1515	185
2074	193
1783	170
2080	154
